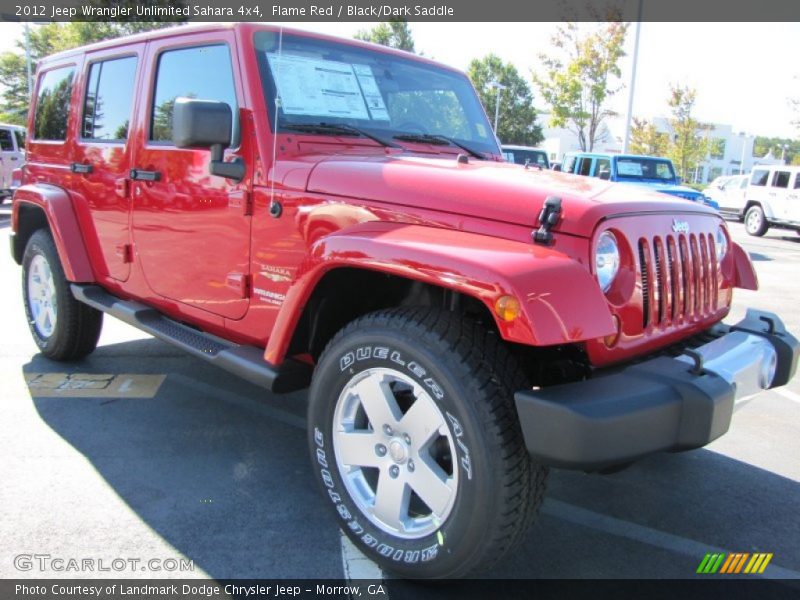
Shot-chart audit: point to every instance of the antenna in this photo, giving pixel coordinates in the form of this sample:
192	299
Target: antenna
275	208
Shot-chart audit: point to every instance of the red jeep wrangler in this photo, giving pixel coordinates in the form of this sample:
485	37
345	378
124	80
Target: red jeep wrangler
304	210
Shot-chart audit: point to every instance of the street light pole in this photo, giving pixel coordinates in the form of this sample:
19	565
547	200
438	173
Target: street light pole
741	162
629	116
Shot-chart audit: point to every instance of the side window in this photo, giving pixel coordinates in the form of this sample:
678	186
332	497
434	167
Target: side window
569	164
52	104
6	143
780	179
759	177
797	181
20	135
585	167
109	98
602	168
204	73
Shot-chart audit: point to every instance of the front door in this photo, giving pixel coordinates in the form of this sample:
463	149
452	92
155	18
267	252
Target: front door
191	230
102	152
792	206
778	192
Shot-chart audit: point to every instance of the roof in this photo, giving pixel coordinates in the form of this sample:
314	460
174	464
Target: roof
180	30
514	147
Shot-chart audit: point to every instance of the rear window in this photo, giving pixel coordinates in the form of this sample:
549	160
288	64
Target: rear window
759	177
780	179
52	104
109	97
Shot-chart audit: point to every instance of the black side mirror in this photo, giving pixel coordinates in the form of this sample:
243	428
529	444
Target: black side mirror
206	124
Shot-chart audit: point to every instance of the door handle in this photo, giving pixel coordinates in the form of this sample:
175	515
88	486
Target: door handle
81	168
14	159
140	175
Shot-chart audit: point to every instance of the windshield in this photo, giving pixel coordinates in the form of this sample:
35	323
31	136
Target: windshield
634	168
318	81
520	157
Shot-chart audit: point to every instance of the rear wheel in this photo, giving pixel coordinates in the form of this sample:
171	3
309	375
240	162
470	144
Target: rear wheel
755	222
62	327
416	443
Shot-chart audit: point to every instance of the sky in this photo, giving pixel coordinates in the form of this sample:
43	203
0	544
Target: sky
744	73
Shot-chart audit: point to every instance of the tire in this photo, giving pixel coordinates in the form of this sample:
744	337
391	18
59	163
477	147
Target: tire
63	328
464	488
755	222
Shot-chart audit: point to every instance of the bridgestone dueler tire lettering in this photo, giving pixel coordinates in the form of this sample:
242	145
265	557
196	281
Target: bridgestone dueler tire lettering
499	488
78	326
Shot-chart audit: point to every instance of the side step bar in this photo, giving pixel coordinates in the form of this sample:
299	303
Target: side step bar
245	361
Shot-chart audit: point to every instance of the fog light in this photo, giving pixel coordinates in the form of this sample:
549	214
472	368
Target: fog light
507	308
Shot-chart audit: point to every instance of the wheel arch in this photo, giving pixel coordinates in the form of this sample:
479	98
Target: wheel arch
560	301
39	206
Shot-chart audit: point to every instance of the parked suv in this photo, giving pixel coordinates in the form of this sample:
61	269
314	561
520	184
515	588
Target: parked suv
12	156
729	194
303	210
653	172
772	199
525	155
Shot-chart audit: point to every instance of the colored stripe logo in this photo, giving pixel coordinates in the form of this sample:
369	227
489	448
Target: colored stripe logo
734	562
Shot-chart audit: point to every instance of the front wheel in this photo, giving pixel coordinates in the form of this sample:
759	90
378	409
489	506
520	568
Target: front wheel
416	443
62	327
755	222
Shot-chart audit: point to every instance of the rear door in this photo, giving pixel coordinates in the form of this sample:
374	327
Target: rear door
191	230
778	192
102	152
793	199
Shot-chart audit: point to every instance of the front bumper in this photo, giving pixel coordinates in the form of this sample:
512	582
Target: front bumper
660	404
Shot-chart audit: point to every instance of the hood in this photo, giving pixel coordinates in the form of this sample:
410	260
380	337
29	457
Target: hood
667	188
486	190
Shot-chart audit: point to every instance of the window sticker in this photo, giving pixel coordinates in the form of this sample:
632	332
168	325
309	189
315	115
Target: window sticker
372	94
315	87
630	169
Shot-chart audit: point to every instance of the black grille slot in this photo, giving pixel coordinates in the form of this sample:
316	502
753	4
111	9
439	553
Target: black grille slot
659	291
645	284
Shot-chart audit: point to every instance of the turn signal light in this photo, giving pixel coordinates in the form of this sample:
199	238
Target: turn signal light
611	340
507	308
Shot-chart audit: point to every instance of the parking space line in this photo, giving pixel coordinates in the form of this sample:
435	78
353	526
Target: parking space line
356	566
788	394
646	535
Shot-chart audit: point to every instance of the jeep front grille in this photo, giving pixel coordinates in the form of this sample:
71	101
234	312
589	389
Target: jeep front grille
678	275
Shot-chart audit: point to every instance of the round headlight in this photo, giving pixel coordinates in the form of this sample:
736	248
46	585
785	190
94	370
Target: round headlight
606	260
721	243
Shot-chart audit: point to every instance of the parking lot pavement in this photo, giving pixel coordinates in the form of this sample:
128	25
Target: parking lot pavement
203	466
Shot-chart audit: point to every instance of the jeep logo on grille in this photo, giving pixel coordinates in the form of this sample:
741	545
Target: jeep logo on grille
680	226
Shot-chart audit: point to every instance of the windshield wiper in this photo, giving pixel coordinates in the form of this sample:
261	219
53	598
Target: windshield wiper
331	129
435	138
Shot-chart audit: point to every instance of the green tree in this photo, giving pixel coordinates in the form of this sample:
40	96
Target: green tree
689	142
646	139
580	76
48	39
395	34
786	147
517	121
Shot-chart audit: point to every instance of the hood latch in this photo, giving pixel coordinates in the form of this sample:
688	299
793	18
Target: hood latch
548	218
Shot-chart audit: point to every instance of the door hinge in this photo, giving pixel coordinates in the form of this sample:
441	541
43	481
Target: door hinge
240	283
125	252
242	200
